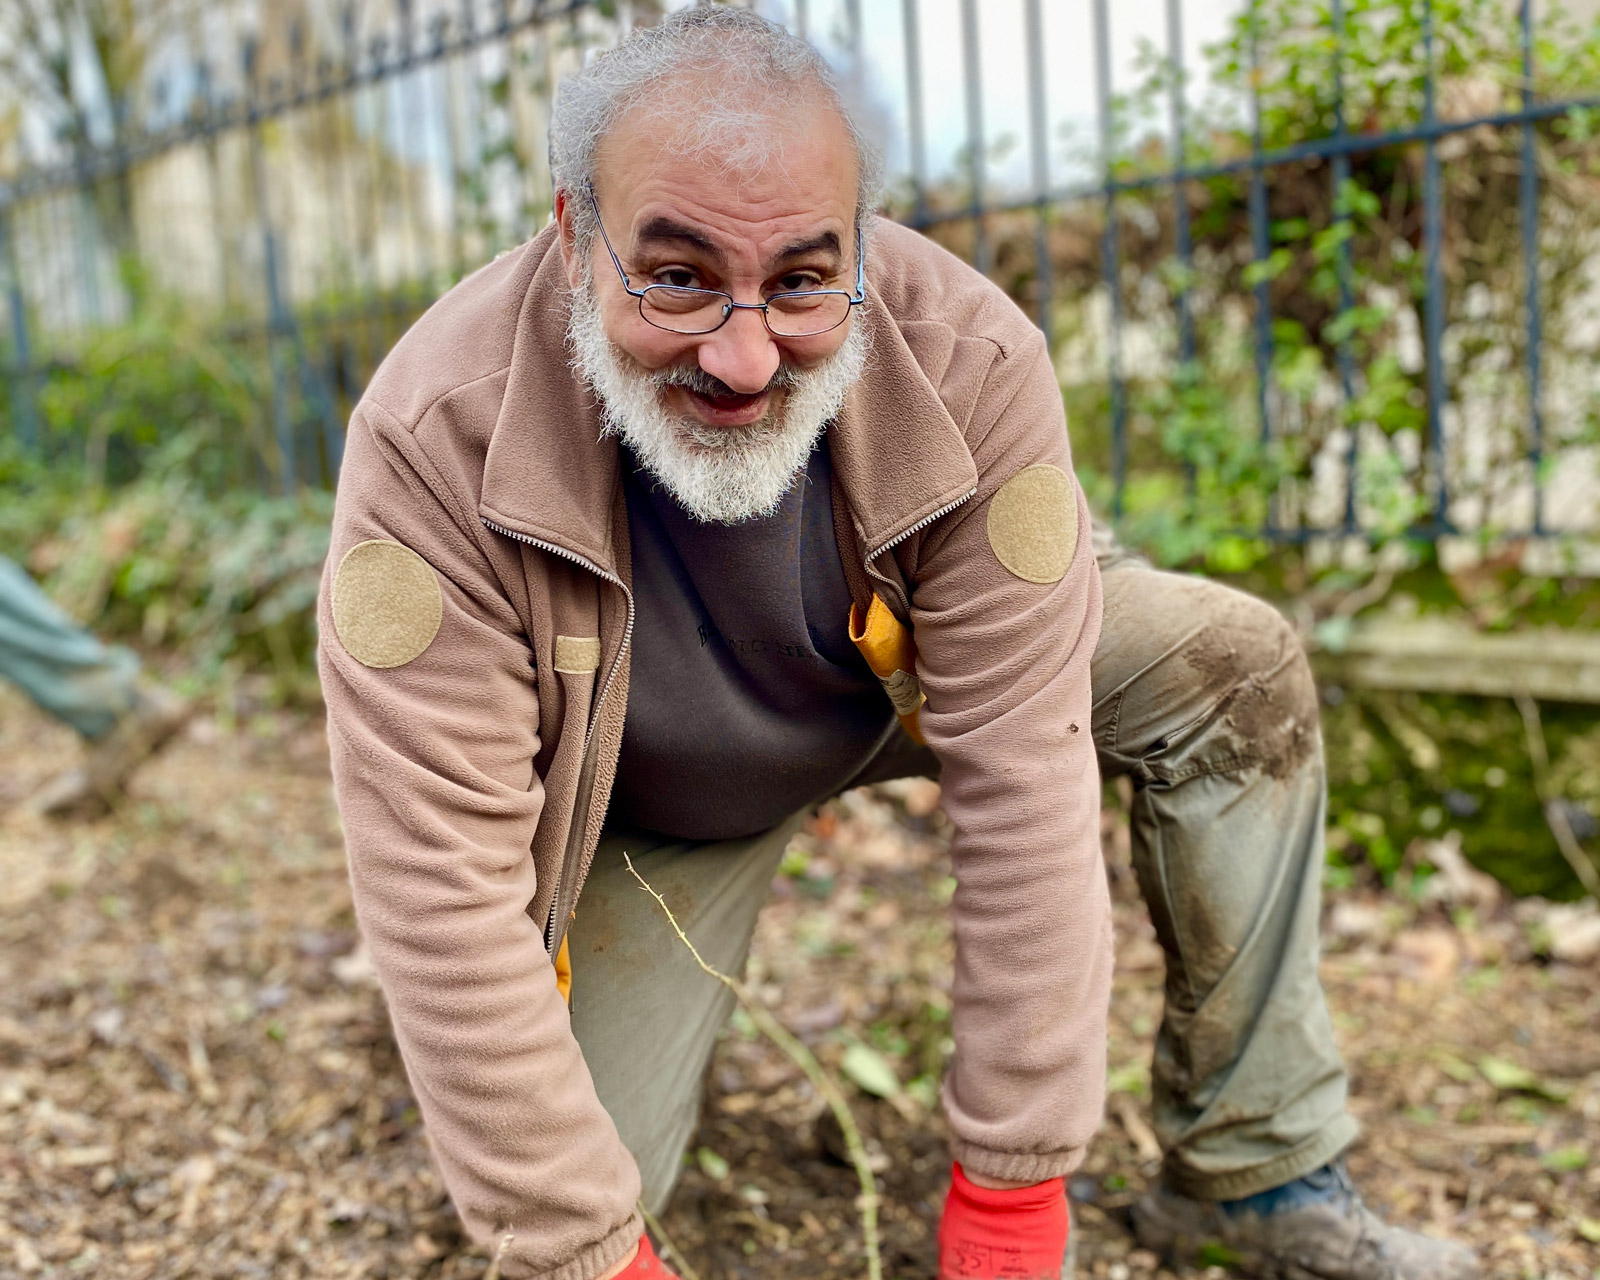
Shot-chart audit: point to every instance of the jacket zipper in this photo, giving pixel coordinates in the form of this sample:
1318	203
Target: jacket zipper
901	537
580	821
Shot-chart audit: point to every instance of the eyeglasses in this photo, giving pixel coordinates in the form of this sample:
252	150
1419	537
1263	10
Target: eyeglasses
797	314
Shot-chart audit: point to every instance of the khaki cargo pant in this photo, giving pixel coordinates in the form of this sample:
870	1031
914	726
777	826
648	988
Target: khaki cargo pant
1227	827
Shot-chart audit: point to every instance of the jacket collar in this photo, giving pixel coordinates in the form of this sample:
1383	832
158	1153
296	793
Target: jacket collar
549	473
899	455
551	476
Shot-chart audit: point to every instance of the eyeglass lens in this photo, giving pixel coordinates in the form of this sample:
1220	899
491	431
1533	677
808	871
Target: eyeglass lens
790	315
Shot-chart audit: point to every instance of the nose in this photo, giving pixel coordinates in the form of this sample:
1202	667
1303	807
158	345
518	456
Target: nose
741	353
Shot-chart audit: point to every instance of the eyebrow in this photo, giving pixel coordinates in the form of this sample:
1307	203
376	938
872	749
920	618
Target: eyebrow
826	241
662	229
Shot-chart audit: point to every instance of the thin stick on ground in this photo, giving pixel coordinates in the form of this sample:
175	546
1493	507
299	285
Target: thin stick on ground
493	1272
1554	812
669	1248
803	1058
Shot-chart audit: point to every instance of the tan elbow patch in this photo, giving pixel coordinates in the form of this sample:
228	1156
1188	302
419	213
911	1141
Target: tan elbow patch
577	655
387	605
1033	523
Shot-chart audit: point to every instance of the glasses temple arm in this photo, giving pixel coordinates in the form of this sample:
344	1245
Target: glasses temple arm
600	226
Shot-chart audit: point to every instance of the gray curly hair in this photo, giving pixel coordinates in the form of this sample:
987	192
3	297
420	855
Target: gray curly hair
755	60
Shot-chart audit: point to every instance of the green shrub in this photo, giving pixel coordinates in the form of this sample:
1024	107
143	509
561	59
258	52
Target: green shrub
226	581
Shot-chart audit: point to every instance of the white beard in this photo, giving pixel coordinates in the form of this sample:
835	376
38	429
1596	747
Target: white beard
717	474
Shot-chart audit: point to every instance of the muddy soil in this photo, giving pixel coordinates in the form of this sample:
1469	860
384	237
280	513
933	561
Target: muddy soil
197	1077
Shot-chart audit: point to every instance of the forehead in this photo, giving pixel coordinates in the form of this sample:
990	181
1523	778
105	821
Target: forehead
760	174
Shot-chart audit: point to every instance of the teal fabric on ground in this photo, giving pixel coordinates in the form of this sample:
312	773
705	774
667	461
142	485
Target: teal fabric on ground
58	664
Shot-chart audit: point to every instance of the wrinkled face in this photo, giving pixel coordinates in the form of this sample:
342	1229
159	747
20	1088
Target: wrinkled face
725	419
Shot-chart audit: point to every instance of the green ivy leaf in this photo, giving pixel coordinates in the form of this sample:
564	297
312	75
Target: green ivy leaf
1565	1159
869	1071
1508	1077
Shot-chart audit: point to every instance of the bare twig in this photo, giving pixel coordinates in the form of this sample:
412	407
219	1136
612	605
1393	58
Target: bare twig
1554	813
493	1273
669	1249
1143	1137
803	1058
1370	592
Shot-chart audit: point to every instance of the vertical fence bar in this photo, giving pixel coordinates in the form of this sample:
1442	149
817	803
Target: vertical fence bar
1433	302
1111	256
352	151
23	407
1180	194
1260	246
282	424
1039	140
972	80
438	154
853	32
802	19
1529	199
86	253
456	144
397	129
917	140
1341	218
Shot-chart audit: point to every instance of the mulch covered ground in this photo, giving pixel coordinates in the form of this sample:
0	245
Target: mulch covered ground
197	1077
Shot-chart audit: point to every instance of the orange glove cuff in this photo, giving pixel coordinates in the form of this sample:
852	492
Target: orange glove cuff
987	1234
645	1265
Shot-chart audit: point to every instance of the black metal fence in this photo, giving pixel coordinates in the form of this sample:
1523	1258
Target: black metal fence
1324	188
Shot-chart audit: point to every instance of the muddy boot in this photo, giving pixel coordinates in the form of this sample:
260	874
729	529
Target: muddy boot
95	785
1315	1228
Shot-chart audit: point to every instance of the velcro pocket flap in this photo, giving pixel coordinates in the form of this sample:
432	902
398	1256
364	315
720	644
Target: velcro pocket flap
577	655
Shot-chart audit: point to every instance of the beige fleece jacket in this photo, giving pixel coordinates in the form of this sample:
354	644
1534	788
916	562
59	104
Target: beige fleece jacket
476	621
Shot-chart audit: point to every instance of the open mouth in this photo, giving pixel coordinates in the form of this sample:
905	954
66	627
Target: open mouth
730	409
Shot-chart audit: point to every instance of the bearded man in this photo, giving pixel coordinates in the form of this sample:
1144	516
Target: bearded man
715	499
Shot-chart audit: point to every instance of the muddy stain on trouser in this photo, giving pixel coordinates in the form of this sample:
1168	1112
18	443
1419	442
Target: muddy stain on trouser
1202	697
58	664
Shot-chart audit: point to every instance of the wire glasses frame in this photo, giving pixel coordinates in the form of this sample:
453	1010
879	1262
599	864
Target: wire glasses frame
802	313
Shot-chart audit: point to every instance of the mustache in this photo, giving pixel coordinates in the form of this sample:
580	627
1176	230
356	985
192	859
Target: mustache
694	378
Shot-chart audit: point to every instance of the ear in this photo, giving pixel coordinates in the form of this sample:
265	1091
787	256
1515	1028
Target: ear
567	234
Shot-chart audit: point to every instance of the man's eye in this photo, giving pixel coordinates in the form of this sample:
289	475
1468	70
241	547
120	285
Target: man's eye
797	282
678	278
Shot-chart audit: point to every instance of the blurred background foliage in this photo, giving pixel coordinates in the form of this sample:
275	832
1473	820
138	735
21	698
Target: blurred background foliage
146	504
1203	481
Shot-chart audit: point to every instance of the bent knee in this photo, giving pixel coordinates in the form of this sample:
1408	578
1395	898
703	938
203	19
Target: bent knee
1251	656
1196	677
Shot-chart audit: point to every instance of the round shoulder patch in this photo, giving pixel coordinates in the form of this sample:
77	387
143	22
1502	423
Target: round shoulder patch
387	605
1033	523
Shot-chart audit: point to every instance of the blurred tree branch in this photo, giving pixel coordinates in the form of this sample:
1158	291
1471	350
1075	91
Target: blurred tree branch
80	64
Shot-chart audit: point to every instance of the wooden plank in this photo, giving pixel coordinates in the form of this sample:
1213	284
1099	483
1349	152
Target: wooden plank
1436	655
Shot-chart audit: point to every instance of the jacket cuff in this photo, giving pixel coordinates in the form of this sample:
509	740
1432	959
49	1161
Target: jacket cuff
1016	1166
594	1261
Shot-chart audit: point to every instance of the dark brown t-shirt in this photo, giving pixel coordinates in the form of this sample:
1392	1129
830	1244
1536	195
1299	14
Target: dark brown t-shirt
746	701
